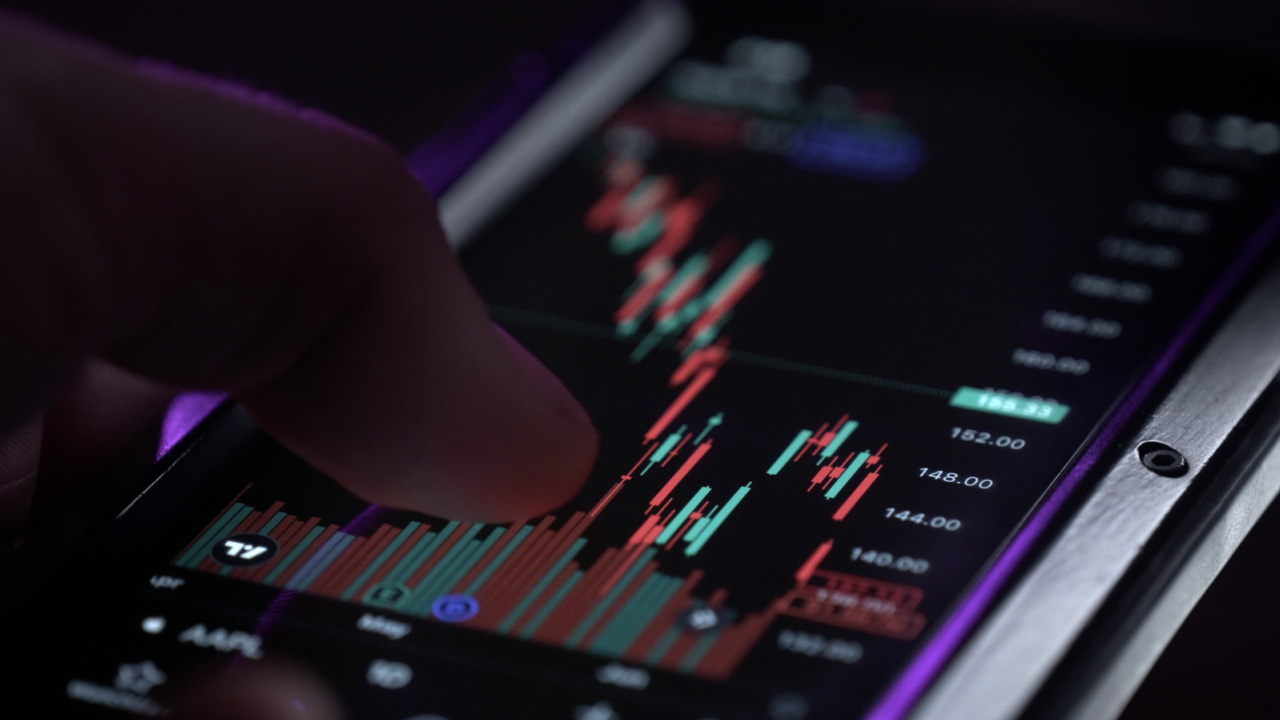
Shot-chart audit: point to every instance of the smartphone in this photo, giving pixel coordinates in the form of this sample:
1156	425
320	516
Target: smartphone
925	350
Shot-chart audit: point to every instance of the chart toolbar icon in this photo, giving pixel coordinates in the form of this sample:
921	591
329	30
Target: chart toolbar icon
455	608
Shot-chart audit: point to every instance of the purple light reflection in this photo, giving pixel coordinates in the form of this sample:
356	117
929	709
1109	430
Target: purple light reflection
362	524
443	158
184	413
916	679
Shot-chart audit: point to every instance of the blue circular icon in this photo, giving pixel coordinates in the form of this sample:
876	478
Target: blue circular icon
455	608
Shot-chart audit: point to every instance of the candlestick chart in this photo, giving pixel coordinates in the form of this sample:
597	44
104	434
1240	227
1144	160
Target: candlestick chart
549	582
622	575
842	397
832	474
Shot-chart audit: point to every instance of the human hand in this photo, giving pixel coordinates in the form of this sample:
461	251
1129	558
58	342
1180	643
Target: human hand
166	230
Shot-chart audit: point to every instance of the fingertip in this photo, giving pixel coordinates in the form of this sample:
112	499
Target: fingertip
416	400
570	449
519	445
509	443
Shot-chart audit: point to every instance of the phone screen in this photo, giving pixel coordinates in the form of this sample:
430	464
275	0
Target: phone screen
854	302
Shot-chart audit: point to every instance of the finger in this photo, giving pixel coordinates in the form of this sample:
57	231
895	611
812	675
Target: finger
19	458
102	410
260	692
201	236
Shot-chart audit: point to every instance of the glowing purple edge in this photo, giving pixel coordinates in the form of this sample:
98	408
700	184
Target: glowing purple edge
362	524
445	156
442	159
183	414
913	682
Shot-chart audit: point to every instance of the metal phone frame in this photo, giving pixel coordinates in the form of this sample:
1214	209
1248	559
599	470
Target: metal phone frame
1009	658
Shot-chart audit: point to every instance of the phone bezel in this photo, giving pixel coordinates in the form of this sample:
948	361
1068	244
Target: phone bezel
1022	640
999	668
1003	651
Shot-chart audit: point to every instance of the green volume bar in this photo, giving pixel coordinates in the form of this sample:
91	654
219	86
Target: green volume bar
230	518
320	562
800	439
1009	405
274	575
493	566
635	615
716	521
401	570
271	525
551	605
419	554
465	564
418	601
538	589
662	646
603	606
377	563
695	655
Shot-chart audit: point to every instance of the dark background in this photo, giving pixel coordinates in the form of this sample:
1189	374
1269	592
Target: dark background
404	70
